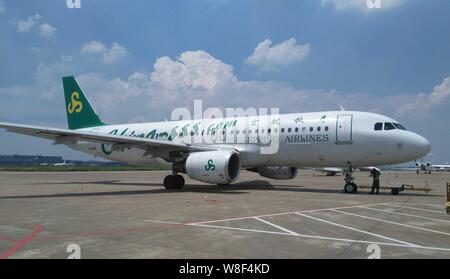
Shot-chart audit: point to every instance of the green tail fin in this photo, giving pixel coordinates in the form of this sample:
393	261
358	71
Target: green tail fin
80	114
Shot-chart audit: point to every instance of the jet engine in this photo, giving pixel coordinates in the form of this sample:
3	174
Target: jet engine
215	167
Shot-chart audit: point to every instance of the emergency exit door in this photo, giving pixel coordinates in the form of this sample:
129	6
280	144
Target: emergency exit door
344	129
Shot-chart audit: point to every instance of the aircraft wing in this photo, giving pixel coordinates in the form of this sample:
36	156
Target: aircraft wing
63	136
330	171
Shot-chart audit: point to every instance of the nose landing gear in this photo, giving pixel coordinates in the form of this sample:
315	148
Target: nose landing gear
350	186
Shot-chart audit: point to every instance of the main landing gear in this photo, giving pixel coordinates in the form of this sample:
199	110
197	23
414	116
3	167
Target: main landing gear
350	186
174	181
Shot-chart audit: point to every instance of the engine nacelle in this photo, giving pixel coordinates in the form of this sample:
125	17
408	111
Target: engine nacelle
216	167
279	173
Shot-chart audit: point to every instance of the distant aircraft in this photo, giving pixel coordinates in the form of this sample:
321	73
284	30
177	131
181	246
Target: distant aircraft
215	150
63	164
427	167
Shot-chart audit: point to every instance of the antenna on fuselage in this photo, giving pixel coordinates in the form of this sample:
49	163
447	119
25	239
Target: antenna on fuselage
342	108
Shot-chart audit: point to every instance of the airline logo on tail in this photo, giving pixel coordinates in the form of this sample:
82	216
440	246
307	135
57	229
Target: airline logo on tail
75	105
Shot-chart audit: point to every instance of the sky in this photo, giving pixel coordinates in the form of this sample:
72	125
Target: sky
138	60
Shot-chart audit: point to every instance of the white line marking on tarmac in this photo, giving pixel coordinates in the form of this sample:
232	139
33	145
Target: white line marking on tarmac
405	214
358	230
238	229
280	214
307	236
390	222
276	226
423	204
163	222
415	208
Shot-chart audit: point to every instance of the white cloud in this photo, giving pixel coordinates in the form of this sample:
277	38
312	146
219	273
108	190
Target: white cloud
194	71
282	54
423	102
2	7
361	5
107	56
26	25
47	30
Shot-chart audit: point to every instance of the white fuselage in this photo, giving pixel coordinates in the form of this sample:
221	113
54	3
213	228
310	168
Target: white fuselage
319	139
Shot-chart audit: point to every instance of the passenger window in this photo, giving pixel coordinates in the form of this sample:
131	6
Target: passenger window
326	128
282	130
318	129
275	130
269	131
389	126
304	129
296	130
378	126
289	130
311	129
262	131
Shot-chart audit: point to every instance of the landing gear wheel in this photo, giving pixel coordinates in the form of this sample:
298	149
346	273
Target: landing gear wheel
173	182
350	188
179	181
169	182
395	192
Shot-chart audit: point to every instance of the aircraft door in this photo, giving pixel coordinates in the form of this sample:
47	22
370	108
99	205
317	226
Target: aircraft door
344	129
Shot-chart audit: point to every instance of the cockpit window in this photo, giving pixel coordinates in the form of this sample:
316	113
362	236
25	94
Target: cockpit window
389	126
399	126
378	126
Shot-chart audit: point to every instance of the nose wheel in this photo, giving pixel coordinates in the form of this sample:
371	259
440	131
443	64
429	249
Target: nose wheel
350	186
172	182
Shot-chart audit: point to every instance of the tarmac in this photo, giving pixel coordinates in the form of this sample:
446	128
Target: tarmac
131	215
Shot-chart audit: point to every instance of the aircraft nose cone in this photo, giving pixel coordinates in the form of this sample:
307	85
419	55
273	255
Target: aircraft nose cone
421	146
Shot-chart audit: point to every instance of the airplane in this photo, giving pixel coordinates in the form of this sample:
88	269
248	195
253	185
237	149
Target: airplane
427	167
211	150
63	164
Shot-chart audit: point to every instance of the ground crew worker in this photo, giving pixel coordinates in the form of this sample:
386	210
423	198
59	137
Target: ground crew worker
376	181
